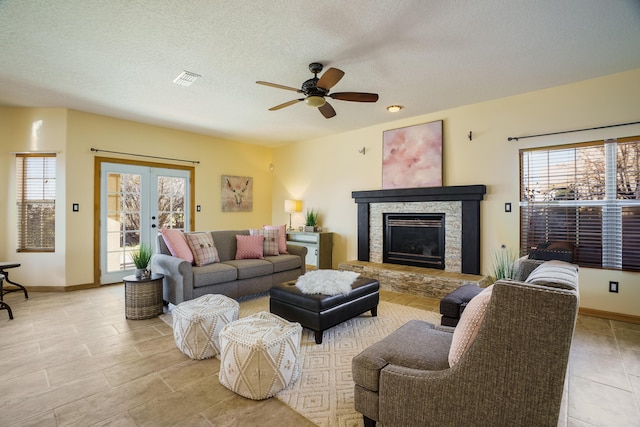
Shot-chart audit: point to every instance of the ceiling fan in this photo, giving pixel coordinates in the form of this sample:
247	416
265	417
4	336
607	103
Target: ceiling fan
316	89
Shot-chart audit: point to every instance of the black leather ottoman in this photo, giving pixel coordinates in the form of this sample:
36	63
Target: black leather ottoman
320	312
453	304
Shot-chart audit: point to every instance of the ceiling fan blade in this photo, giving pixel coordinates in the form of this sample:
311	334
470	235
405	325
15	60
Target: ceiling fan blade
355	96
286	104
279	86
327	110
330	78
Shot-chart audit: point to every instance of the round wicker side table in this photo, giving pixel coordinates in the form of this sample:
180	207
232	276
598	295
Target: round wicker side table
143	296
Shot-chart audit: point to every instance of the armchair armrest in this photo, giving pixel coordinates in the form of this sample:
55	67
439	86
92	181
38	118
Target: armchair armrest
177	285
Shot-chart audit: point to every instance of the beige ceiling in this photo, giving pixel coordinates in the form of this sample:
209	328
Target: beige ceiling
119	57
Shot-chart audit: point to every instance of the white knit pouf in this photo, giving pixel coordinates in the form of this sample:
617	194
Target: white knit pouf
259	355
197	324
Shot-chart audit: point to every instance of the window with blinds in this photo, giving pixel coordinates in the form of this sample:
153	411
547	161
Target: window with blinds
587	195
36	202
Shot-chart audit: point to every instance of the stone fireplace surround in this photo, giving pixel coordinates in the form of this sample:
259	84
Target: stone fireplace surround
460	204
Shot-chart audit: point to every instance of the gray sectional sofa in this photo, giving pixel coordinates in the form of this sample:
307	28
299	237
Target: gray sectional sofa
233	278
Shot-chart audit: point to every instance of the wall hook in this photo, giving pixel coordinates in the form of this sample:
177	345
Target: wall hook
363	151
470	136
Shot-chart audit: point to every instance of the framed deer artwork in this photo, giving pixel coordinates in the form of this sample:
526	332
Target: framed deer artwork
237	193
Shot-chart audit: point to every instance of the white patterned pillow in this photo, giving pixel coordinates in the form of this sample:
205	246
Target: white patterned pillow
469	324
203	249
249	247
556	274
270	244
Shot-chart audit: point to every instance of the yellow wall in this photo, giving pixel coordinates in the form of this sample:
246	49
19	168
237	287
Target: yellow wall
323	172
32	130
73	134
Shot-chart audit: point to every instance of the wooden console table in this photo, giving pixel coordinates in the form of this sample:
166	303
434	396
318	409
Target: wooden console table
319	247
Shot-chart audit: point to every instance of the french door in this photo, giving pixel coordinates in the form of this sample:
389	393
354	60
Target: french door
135	202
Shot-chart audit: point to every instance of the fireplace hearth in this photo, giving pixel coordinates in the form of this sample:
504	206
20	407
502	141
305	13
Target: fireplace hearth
414	239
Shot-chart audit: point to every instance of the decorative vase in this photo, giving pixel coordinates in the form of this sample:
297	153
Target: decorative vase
310	228
139	273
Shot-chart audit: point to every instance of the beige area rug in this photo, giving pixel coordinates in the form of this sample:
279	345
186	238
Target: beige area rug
324	392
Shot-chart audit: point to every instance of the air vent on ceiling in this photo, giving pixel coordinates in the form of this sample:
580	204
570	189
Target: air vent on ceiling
186	78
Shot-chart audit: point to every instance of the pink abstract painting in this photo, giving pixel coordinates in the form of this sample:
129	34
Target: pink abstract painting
412	156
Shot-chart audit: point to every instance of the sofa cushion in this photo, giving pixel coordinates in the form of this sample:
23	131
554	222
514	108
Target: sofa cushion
416	344
284	262
270	243
214	274
282	236
249	247
177	244
469	324
248	268
556	274
203	248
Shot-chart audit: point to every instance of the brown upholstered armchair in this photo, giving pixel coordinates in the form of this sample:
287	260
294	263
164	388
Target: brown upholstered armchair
511	374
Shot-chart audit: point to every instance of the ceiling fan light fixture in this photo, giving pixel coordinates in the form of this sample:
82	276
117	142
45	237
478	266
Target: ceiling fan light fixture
394	108
315	101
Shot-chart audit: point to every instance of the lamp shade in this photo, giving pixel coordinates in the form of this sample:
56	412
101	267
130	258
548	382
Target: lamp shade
292	206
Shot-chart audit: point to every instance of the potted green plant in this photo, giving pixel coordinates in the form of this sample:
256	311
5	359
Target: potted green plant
311	220
141	258
504	264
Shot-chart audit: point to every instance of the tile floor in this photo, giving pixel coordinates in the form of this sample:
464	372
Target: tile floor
73	359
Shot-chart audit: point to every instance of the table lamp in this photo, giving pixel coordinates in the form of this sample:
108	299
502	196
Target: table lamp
291	207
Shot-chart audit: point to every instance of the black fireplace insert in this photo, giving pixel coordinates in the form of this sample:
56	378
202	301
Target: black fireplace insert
414	239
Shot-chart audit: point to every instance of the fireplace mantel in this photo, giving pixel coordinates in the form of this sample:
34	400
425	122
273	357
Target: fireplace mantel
469	196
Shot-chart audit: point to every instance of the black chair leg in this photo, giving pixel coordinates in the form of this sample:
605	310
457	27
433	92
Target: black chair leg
368	422
5	306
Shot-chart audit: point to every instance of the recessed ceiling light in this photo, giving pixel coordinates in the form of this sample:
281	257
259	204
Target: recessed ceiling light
186	78
394	108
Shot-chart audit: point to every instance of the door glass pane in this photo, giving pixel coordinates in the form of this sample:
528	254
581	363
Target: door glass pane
171	201
123	219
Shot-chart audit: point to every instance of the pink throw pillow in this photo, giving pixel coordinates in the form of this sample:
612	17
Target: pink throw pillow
282	236
469	325
249	247
177	244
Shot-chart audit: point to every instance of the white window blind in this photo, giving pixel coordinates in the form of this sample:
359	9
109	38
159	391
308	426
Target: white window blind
36	202
587	195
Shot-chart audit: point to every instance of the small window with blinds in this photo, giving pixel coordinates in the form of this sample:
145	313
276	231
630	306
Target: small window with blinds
586	197
36	202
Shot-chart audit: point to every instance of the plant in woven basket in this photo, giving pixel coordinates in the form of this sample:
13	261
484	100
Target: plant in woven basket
142	256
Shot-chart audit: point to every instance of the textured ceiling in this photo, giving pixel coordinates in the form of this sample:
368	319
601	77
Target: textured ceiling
119	58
